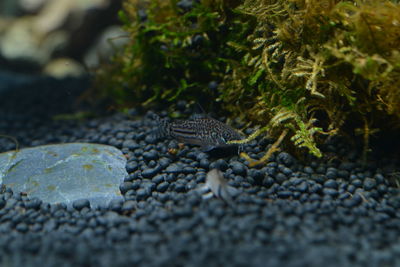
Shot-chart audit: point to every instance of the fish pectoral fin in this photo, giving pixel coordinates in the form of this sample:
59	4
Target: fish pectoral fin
207	147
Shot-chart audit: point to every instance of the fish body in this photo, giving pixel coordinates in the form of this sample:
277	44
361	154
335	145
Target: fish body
208	133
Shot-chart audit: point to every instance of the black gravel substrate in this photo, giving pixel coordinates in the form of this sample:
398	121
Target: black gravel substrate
333	212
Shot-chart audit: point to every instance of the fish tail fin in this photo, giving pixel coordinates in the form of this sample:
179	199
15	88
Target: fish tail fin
163	127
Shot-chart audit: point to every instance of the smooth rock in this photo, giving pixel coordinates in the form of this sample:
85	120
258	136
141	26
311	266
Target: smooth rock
66	172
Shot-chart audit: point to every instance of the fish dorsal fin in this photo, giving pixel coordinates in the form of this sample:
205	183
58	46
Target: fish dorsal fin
201	108
200	115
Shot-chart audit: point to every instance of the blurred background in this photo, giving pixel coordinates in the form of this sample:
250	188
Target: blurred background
58	38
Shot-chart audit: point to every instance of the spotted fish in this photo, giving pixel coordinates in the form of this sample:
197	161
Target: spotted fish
207	132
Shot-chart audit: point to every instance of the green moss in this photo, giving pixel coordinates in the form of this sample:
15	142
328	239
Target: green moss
306	67
172	54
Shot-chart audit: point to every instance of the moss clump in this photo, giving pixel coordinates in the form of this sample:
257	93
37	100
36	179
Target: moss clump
313	68
174	52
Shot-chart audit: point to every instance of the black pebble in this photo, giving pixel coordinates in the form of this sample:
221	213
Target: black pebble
344	195
308	170
351	188
204	163
352	202
150	155
357	183
271	171
136	184
32	204
382	189
150	172
380	179
128	206
80	204
238	168
286	171
174	168
219	164
314	197
331	184
115	205
164	162
131	166
200	178
380	217
258	176
115	142
22	227
150	139
369	184
316	188
330	191
284	194
331	173
159	178
280	177
303	187
162	187
152	164
188	170
125	186
180	188
142	194
268	181
285	158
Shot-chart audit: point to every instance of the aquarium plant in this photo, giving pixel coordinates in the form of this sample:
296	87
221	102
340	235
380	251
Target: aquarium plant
301	70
